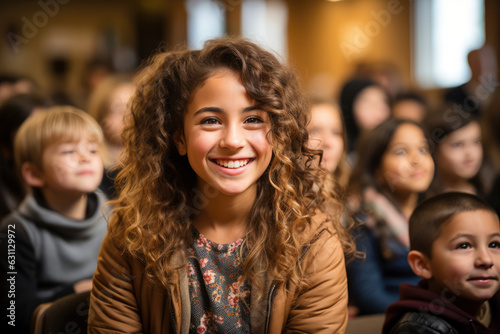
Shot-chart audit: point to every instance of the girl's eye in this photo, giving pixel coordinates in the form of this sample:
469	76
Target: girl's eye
400	152
463	245
210	121
478	142
68	151
254	119
424	150
459	144
494	244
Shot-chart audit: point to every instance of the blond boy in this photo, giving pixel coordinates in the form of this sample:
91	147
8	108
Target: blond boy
50	243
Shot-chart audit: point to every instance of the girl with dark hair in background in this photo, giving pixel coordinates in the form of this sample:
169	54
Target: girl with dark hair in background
394	168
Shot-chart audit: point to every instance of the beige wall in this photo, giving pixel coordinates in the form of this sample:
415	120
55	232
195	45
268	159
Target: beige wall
332	37
74	31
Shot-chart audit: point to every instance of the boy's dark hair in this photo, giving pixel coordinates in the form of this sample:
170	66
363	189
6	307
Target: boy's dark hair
430	215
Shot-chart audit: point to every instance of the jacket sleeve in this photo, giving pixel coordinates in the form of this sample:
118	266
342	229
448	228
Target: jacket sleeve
416	323
322	306
366	279
113	304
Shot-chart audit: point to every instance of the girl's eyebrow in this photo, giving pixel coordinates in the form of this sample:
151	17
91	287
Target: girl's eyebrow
403	143
221	111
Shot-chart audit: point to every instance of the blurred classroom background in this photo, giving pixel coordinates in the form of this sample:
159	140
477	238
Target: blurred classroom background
66	46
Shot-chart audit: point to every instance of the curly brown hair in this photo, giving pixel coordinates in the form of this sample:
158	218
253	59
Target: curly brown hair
157	186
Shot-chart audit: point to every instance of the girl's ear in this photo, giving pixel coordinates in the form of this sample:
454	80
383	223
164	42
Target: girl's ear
32	175
180	142
420	264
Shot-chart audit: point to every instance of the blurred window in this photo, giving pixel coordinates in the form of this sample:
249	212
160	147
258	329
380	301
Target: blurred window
266	22
444	33
205	20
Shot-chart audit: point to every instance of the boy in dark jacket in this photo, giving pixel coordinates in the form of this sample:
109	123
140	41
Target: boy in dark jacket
455	248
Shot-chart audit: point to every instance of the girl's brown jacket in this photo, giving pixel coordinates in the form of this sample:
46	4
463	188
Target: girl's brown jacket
123	300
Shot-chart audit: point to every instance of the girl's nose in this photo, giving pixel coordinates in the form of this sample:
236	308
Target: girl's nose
233	138
416	158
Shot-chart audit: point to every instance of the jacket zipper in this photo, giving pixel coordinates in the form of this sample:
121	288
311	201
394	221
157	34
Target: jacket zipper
273	286
269	307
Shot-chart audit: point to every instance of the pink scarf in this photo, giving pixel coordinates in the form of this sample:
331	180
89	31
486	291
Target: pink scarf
382	209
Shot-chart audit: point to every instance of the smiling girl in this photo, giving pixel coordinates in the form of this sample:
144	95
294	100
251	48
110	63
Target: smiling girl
221	224
395	166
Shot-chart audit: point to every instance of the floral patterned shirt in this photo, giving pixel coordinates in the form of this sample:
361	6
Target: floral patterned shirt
220	297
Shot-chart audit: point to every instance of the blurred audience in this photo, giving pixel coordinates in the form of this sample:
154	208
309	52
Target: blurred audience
327	133
476	93
385	73
393	169
95	71
13	112
410	105
491	134
364	105
457	147
109	104
14	84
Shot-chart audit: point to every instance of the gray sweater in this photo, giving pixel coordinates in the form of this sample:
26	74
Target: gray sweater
52	252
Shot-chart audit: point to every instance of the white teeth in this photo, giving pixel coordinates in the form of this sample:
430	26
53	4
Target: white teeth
232	163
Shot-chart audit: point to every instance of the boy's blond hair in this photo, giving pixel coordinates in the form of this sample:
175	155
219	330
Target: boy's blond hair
56	124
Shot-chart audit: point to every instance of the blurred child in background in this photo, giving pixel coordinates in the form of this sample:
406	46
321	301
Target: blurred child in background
457	151
327	133
109	104
394	168
364	105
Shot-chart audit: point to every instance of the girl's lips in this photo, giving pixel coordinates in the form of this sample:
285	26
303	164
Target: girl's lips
231	170
418	173
86	172
232	163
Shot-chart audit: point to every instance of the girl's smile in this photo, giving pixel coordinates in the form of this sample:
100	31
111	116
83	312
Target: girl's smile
225	135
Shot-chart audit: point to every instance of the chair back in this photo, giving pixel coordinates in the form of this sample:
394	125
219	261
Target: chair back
366	324
65	315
